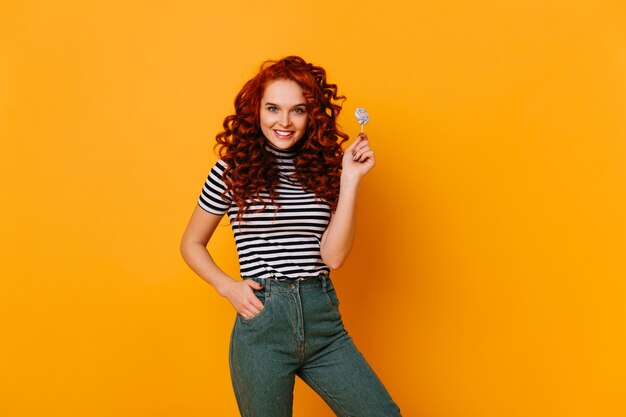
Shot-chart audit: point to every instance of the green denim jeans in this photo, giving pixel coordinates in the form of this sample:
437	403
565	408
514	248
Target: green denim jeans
300	332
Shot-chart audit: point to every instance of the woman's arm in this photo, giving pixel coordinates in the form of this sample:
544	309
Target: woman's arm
194	251
337	240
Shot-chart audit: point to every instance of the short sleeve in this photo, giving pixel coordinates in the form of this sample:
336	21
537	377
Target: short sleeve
211	199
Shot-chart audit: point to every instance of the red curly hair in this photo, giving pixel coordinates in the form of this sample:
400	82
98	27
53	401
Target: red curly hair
318	159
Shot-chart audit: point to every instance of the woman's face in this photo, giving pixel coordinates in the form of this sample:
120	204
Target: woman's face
283	113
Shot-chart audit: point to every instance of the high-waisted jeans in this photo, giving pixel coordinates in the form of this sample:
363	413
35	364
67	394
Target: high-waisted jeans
300	332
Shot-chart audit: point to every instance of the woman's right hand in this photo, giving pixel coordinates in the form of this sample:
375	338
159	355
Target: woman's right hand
243	299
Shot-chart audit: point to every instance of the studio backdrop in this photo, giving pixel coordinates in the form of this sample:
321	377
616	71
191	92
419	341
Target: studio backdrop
488	274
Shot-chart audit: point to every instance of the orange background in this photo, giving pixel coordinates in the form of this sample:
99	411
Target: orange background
488	277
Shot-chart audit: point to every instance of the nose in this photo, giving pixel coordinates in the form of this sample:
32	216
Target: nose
285	121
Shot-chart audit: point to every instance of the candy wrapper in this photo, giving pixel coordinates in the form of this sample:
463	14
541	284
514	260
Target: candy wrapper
361	116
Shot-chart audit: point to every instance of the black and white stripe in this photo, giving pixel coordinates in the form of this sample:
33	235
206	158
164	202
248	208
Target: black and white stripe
281	244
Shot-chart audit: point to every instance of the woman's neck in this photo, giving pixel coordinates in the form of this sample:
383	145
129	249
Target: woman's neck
281	153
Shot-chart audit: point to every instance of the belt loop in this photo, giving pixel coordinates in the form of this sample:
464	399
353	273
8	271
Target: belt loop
324	283
268	286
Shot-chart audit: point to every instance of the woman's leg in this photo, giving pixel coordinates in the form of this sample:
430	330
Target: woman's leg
263	359
333	365
344	379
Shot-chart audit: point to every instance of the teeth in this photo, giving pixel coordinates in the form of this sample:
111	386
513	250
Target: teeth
282	132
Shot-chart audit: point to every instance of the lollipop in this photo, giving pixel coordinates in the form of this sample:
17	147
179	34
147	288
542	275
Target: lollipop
361	116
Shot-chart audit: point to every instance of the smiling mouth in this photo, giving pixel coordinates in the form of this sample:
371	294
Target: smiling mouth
284	133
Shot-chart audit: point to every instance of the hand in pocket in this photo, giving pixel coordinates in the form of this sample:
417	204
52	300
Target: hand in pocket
243	299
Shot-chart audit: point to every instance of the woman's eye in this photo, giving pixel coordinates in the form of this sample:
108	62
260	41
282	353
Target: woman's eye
299	110
272	108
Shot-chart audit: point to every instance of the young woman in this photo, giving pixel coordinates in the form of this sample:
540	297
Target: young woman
290	193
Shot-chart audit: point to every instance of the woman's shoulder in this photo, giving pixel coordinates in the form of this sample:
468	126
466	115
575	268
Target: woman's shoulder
217	170
220	165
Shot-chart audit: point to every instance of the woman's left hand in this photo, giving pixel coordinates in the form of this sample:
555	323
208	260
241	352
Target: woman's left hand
358	158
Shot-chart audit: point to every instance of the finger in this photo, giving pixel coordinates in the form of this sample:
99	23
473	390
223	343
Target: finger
360	152
369	154
361	147
356	141
253	311
253	301
365	156
256	303
357	152
362	143
252	283
249	312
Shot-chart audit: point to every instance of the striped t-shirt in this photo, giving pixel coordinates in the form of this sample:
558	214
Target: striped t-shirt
280	244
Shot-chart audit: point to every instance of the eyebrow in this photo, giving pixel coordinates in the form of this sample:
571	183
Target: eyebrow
276	105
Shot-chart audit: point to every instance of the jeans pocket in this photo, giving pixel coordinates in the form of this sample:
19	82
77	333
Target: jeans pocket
260	294
331	297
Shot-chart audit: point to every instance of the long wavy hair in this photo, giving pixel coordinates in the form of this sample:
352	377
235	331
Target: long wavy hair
250	169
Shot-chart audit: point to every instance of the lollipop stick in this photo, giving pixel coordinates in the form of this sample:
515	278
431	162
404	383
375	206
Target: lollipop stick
362	128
